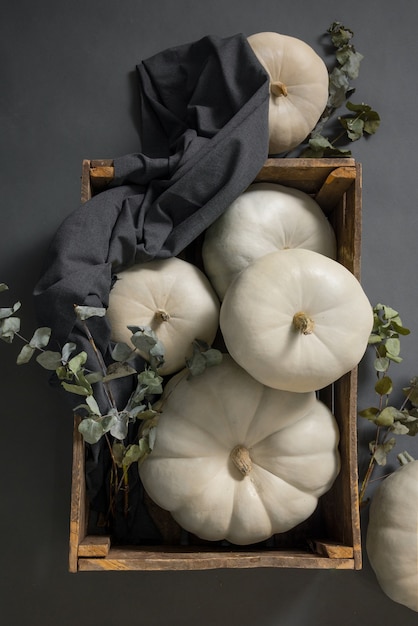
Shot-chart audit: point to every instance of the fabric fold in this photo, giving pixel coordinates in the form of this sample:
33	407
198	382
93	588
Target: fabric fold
204	111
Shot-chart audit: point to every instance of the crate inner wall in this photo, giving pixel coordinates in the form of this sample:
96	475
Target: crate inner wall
331	536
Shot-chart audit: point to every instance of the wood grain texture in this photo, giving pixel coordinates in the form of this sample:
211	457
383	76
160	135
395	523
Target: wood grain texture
157	559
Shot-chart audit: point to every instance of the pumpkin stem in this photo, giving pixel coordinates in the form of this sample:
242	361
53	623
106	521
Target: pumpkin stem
241	458
278	88
303	323
161	315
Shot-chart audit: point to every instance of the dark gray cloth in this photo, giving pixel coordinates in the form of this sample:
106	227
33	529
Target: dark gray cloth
204	111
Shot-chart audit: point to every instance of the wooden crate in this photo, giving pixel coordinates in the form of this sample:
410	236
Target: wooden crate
330	538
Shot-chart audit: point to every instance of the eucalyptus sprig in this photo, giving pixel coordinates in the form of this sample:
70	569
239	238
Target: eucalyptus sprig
70	369
361	118
390	421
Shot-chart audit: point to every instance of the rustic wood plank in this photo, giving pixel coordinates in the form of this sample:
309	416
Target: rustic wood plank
157	560
308	175
78	514
333	550
101	162
335	185
94	546
85	181
100	176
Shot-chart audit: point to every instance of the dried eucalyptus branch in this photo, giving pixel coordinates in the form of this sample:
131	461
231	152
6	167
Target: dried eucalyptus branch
390	421
360	120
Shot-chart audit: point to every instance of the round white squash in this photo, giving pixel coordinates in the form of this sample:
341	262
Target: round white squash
171	296
239	461
392	535
298	87
296	320
265	218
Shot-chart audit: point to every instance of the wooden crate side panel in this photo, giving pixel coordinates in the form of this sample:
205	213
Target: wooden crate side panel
78	513
346	221
85	181
163	560
308	175
340	504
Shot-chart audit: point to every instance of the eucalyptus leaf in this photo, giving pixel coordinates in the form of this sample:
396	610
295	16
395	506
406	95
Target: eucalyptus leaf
118	370
144	340
202	357
146	414
40	338
118	451
8	311
399	328
369	413
119	428
3	287
77	389
384	386
386	417
8	328
399	429
151	380
122	352
196	364
81	380
381	451
395	359
91	430
132	454
67	350
77	362
412	391
144	449
85	312
93	406
412	428
94	377
213	357
350	61
109	420
137	410
388	312
49	360
353	126
393	346
25	355
381	364
340	35
373	339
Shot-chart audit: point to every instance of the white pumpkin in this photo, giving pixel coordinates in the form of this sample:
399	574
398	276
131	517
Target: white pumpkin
265	218
171	296
392	535
296	320
236	460
298	87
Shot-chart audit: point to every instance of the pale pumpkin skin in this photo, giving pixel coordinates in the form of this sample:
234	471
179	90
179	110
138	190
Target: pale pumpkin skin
265	218
296	320
392	535
288	455
171	296
299	87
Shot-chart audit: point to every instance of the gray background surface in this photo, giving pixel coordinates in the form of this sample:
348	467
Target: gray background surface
68	92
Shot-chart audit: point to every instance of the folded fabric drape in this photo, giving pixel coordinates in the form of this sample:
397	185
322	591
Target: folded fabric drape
204	112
